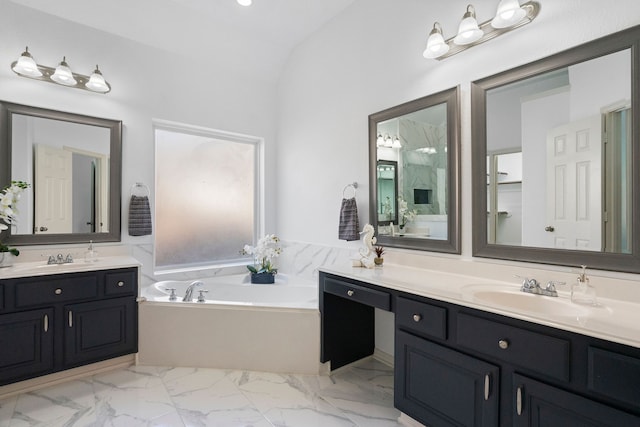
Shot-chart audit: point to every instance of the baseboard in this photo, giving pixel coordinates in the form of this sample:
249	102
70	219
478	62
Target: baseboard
406	420
383	357
67	375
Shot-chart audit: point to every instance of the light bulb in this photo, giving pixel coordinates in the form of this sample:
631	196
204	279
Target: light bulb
508	14
436	46
97	82
63	74
468	31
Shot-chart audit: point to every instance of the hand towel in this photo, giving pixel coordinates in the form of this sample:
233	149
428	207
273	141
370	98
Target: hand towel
349	227
139	216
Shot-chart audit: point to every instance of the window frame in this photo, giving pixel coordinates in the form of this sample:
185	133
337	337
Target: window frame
259	185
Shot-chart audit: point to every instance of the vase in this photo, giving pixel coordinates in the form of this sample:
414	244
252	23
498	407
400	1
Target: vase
378	261
263	278
6	259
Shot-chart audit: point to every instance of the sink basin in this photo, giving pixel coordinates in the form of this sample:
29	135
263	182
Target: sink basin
511	298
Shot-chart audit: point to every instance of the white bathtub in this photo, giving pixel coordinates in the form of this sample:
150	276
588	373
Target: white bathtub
237	290
272	328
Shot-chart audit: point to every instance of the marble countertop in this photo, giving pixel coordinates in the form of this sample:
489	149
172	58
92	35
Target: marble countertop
40	268
612	320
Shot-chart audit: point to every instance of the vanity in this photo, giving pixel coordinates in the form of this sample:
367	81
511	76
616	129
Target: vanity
57	317
461	360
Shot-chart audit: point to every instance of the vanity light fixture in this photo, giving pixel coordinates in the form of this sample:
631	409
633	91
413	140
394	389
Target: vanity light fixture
26	66
509	16
244	2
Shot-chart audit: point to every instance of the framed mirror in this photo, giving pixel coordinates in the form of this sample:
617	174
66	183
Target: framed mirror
73	165
387	182
553	144
414	168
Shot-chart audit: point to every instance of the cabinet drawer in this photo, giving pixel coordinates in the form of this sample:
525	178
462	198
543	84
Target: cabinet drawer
54	289
614	375
120	282
357	293
420	317
533	351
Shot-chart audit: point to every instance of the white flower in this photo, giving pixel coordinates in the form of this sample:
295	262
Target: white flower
267	248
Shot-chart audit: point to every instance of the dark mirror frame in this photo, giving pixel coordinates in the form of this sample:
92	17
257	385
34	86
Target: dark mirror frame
395	181
7	109
450	97
627	39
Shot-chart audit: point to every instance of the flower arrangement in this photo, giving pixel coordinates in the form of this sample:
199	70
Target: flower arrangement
405	215
267	248
9	198
379	251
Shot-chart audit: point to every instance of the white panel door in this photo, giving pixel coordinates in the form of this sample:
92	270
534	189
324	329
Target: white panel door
53	179
574	213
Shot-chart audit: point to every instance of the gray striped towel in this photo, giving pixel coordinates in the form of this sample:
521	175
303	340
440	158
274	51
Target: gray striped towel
139	216
349	227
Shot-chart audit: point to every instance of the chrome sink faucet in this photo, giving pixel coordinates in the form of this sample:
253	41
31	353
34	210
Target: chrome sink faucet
60	259
532	286
188	296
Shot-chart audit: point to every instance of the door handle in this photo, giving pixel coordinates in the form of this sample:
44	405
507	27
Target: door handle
487	384
549	228
45	323
44	229
519	400
71	319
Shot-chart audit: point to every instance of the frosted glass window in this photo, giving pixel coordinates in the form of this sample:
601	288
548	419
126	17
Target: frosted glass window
206	201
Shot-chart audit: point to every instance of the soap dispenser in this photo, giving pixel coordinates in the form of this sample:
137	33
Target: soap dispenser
91	255
582	292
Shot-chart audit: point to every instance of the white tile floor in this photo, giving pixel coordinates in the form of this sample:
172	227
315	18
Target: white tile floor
359	395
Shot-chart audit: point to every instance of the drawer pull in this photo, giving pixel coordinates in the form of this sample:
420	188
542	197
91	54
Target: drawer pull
519	400
45	322
417	317
120	284
350	292
70	319
58	291
503	344
487	383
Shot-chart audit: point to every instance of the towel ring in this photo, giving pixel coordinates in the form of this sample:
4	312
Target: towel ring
139	185
353	185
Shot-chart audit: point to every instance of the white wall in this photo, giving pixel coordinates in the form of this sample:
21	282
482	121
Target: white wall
370	58
146	83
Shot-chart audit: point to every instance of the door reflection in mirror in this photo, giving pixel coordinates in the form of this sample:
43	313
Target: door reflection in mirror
572	127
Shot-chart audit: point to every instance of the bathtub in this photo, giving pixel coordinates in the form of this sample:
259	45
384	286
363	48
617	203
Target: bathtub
271	328
237	290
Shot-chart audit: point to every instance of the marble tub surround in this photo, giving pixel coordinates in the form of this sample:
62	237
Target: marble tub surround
360	395
614	320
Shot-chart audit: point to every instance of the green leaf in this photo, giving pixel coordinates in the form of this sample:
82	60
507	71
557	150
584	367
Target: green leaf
252	269
14	251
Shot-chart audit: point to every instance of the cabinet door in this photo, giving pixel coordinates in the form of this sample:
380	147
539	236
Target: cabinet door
26	344
441	387
100	330
537	404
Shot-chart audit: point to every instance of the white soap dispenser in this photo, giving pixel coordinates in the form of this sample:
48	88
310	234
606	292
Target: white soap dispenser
91	255
582	292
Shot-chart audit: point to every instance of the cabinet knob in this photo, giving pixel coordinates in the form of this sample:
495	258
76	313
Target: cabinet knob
58	291
503	344
417	317
120	284
350	292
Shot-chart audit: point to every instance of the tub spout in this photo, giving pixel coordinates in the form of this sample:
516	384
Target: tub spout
188	295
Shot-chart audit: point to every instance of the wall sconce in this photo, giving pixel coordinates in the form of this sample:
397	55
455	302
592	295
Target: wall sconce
509	16
387	141
26	66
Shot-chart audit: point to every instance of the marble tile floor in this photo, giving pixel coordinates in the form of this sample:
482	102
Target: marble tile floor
358	395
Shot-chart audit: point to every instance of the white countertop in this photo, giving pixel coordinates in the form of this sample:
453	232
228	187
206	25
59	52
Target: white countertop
613	320
40	268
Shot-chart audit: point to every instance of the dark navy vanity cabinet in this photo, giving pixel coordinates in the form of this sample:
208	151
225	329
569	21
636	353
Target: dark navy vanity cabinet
56	322
459	366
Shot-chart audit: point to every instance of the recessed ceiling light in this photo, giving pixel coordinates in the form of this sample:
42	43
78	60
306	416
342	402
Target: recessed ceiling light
244	2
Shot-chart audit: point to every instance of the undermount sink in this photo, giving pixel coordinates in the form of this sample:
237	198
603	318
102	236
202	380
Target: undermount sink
513	299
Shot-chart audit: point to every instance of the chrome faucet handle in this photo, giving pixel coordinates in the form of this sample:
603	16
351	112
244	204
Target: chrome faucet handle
173	295
69	258
201	295
59	258
528	283
551	285
51	260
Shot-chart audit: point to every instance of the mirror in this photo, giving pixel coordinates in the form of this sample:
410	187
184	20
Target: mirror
73	163
387	182
414	169
553	144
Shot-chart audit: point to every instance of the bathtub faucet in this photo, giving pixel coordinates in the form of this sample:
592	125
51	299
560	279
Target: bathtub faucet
189	293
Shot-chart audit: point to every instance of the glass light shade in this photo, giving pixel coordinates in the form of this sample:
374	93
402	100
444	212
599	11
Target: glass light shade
436	46
396	143
387	141
244	2
97	83
468	30
63	74
509	13
379	140
26	65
